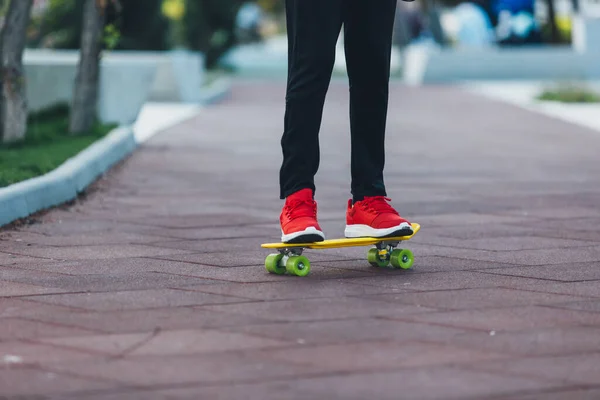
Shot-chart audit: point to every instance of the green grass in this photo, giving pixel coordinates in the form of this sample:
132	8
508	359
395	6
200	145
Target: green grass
46	146
570	94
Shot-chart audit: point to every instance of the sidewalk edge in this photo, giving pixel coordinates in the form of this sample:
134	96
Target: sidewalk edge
68	180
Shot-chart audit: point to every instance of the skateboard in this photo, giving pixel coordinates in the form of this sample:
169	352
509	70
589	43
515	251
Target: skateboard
290	259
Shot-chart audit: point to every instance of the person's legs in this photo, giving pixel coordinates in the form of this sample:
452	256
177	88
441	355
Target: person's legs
368	31
313	29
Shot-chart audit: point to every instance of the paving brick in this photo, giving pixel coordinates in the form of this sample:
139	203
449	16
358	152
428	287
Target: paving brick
96	252
589	289
538	342
113	345
106	266
168	342
201	220
589	305
12	329
443	281
347	330
571	273
437	235
318	309
11	289
202	369
17	307
247	257
254	274
590	236
139	394
556	212
29	383
584	224
465	219
427	264
26	354
508	319
375	355
9	259
22	275
113	282
223	233
474	298
89	239
431	383
147	320
219	246
575	394
529	257
135	300
72	227
291	290
571	369
514	242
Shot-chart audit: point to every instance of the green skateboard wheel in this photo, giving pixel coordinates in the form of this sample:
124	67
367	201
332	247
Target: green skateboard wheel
272	264
298	265
402	258
375	260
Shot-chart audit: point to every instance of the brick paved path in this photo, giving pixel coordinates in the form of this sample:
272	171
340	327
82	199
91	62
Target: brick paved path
153	286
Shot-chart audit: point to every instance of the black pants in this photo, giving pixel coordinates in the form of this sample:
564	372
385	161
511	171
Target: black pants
313	29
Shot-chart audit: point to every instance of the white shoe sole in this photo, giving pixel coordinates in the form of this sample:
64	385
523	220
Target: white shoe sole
311	233
359	231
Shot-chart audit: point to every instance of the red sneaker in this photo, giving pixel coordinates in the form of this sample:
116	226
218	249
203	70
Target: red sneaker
299	219
375	217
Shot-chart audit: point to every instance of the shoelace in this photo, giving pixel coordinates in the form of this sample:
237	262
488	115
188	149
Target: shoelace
378	205
301	208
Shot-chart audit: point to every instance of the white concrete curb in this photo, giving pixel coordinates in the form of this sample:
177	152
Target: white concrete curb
523	94
68	180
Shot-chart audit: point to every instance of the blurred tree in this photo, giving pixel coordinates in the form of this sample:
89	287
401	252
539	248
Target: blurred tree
434	25
554	33
141	25
13	101
85	96
207	25
175	10
210	26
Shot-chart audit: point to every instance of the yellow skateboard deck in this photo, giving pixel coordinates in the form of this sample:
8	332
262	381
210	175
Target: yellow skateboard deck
290	258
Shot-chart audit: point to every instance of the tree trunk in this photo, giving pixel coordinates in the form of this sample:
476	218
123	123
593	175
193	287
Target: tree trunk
13	103
554	34
85	96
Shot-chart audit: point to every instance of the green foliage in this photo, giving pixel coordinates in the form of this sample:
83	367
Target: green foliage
207	26
570	94
210	26
139	26
112	36
46	146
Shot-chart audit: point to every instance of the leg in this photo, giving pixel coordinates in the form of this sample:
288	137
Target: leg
368	28
313	29
368	31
